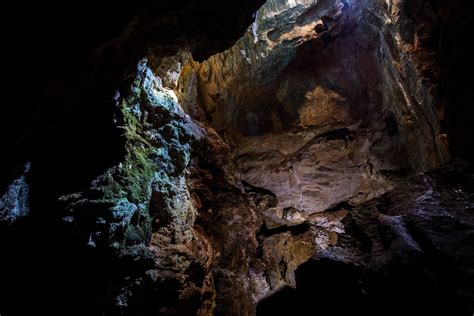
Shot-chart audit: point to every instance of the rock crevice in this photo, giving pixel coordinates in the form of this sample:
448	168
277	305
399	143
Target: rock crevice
303	166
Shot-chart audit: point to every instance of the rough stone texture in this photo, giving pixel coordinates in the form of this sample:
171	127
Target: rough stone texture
14	203
322	102
144	208
110	149
312	171
410	249
162	185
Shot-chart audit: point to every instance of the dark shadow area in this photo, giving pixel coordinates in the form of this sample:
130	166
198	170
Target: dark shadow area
326	287
457	66
42	271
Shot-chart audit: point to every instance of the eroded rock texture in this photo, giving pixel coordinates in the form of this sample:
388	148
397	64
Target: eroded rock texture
411	249
324	102
14	203
289	173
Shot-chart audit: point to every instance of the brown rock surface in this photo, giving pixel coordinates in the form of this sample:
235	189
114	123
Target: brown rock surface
321	118
290	172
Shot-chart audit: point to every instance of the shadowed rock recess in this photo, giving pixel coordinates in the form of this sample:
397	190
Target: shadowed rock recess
279	157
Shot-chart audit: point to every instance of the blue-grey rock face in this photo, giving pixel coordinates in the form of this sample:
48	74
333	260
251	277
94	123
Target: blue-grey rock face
14	203
150	181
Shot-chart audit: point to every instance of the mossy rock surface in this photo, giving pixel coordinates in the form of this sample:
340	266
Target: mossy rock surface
116	208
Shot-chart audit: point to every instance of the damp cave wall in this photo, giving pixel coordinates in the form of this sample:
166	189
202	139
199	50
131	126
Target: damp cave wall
68	137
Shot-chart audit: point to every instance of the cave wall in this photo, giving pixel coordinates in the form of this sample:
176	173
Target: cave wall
107	194
168	179
345	88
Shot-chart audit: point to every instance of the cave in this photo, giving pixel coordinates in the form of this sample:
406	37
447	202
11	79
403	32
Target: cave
252	157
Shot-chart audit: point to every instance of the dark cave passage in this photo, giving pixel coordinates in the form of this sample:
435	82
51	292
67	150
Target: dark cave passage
332	288
278	157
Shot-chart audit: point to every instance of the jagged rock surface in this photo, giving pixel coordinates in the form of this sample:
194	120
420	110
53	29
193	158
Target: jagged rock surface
14	203
410	249
226	185
323	102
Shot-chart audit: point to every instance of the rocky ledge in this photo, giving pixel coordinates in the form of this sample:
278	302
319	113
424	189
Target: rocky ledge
302	167
410	249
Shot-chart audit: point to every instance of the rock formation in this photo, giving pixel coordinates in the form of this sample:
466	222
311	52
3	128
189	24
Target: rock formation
304	166
303	107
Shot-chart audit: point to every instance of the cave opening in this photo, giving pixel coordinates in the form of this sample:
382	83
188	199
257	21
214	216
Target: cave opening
242	158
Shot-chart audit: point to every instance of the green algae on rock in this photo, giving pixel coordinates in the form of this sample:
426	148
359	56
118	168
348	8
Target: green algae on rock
157	150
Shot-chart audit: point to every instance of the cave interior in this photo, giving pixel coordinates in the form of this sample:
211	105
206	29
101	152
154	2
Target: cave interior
239	157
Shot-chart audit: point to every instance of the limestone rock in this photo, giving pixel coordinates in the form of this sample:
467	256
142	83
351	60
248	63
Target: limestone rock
287	173
413	243
14	203
320	117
